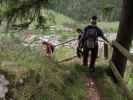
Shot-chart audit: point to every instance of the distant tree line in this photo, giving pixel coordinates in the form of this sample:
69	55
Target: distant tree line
21	13
24	12
107	10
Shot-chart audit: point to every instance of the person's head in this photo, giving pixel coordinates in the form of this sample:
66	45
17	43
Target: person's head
94	20
79	30
44	42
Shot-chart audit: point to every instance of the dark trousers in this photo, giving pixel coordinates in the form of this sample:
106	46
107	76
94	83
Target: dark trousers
93	55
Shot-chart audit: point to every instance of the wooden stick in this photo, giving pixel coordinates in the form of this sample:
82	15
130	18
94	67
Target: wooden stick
67	59
124	51
65	42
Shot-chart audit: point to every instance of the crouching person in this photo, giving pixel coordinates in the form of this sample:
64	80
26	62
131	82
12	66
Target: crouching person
48	48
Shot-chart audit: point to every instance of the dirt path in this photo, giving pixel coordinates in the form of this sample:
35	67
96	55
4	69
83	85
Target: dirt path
92	91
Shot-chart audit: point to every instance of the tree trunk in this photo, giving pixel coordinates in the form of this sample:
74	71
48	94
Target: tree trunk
124	36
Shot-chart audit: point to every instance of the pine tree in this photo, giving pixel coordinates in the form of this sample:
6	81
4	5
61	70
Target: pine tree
24	11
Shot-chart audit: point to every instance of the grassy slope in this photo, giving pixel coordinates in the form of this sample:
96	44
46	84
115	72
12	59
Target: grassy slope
61	20
109	26
109	90
43	79
62	81
46	80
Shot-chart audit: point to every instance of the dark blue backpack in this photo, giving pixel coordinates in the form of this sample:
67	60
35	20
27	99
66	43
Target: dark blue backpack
89	37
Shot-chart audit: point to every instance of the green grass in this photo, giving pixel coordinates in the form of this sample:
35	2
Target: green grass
109	89
44	79
109	26
67	35
61	19
62	22
56	82
129	76
63	53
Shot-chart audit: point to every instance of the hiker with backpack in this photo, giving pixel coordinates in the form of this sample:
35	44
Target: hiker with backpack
88	43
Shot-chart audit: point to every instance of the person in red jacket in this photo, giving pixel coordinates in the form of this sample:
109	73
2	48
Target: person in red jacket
49	48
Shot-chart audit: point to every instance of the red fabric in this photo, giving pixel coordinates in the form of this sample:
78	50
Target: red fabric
50	47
